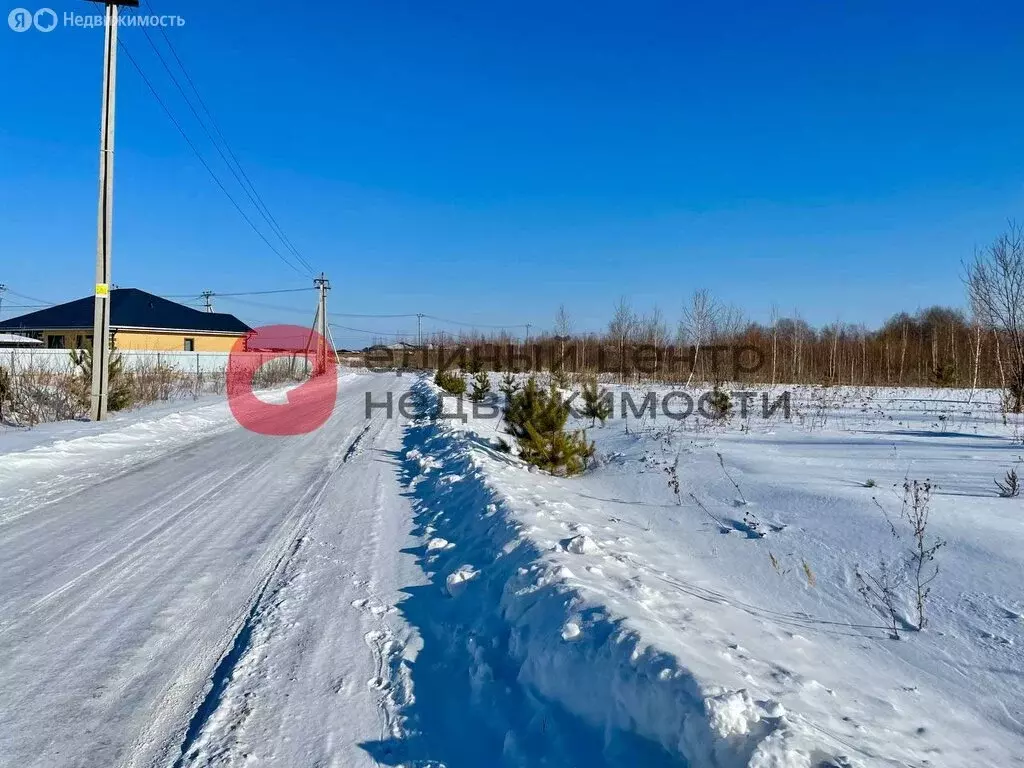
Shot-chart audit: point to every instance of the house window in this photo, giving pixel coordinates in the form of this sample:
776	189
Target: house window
190	345
54	341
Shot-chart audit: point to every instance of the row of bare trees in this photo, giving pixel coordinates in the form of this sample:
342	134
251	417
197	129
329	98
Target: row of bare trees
934	347
712	342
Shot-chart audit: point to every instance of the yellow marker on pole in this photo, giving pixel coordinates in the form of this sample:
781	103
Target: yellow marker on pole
102	289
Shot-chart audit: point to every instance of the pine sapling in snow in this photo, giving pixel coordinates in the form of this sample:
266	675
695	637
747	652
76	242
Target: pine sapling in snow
719	404
452	383
481	387
119	394
537	418
509	385
560	378
474	365
596	403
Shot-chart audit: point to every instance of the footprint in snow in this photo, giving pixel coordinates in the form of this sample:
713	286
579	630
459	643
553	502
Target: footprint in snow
580	545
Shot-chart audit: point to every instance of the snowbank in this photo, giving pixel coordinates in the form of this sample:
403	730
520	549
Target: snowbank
676	640
568	651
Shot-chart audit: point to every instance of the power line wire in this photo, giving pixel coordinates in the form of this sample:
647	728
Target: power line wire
274	307
202	160
475	325
220	133
239	174
29	298
241	293
267	293
371	333
346	314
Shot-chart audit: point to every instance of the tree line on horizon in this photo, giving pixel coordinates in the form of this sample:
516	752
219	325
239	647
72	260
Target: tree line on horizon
938	346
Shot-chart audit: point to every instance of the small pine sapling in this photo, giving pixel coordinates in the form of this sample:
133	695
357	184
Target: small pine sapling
537	418
481	387
560	378
452	383
596	403
719	404
509	385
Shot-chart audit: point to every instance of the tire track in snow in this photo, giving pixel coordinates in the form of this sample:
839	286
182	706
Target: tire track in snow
67	486
211	729
130	553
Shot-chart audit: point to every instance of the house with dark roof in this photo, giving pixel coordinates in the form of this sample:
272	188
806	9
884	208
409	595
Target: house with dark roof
138	321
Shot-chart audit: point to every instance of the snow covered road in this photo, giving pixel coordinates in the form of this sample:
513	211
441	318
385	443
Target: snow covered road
142	595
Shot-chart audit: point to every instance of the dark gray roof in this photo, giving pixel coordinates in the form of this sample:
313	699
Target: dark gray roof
129	308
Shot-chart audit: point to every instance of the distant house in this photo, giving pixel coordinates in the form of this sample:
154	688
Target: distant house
138	321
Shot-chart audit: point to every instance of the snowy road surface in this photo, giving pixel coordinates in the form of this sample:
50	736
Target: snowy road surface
143	596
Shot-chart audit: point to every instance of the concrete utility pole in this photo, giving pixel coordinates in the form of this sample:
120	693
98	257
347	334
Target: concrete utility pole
3	288
323	285
419	332
105	219
208	298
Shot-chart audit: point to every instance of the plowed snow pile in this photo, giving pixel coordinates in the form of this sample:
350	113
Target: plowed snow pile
723	626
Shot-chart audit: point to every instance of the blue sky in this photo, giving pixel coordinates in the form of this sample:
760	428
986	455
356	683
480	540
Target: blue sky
489	160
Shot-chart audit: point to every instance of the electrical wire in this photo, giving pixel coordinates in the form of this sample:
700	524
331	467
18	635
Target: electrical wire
474	325
372	333
241	293
264	305
240	176
266	293
29	298
202	160
345	314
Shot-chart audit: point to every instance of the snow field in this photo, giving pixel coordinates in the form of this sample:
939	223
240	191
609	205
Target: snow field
641	619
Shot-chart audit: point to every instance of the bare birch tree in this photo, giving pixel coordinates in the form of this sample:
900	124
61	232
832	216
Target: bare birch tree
995	286
698	326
